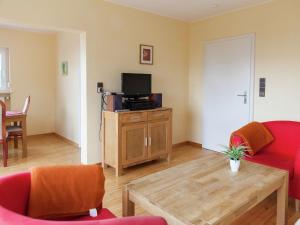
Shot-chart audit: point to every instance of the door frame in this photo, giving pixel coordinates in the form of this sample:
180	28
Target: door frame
252	36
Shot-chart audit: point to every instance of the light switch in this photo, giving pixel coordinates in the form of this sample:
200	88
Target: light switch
262	87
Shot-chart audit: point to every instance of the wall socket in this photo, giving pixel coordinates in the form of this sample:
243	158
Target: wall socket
100	87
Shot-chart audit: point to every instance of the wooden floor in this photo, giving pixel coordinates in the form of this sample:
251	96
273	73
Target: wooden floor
51	150
42	150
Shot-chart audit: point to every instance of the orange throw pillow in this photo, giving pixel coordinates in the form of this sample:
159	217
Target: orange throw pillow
254	135
65	191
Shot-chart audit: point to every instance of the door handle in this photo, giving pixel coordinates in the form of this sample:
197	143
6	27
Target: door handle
245	95
146	142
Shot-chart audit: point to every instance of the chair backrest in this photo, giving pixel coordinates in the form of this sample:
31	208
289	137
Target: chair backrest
286	137
26	105
2	120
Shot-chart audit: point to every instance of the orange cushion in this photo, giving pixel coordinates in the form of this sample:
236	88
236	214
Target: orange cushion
254	135
65	191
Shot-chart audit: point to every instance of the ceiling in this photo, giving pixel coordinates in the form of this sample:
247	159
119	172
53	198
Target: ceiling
188	10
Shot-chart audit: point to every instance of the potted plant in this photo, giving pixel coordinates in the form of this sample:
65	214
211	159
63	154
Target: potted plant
235	153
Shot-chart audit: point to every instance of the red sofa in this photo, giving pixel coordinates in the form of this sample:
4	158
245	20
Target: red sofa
14	193
283	152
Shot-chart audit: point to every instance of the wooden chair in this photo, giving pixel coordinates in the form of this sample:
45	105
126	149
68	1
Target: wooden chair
3	133
17	130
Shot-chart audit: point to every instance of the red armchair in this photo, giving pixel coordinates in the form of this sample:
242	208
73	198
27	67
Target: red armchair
283	153
14	195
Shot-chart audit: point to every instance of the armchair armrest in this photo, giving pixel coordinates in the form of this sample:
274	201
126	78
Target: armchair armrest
11	218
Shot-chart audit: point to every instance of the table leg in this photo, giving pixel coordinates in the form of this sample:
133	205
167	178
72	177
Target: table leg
119	171
282	202
24	138
128	206
15	137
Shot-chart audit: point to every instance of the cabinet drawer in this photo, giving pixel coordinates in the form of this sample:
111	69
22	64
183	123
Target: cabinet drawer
134	117
159	115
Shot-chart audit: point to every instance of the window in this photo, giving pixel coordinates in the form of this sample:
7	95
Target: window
4	70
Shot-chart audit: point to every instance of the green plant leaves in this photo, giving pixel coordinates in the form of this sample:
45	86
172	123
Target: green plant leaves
235	152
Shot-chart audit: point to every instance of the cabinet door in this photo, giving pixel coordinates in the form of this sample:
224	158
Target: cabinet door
159	138
134	143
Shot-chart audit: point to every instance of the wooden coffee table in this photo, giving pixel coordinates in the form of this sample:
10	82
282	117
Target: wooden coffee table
205	192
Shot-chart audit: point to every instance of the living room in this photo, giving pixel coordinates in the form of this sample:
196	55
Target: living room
114	31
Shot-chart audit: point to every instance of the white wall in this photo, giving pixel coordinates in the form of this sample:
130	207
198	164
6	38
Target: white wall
32	71
67	115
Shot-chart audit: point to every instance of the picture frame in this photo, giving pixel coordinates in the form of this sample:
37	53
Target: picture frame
146	54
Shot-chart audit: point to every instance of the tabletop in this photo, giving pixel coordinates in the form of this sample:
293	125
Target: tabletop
205	191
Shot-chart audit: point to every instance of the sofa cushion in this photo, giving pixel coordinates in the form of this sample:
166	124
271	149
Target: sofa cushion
277	161
102	215
254	135
65	191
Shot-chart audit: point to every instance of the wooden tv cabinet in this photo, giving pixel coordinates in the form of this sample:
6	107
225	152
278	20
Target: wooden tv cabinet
135	137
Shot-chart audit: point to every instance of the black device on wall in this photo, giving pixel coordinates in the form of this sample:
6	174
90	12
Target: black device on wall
136	85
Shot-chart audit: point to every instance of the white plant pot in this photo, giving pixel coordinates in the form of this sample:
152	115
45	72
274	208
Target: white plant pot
235	165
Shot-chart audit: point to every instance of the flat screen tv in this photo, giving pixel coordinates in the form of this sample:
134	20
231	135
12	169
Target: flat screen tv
136	85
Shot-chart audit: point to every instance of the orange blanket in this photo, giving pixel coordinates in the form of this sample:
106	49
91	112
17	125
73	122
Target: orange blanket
65	191
254	135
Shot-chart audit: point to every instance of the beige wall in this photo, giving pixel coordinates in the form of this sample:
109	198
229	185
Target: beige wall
67	119
113	35
32	69
276	26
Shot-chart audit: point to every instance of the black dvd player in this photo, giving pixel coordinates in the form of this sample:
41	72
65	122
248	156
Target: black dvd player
138	104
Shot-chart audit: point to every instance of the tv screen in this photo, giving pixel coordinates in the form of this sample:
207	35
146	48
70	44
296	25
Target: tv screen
136	85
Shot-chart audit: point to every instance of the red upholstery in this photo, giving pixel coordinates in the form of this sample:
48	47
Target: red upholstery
14	193
286	138
283	152
274	161
102	214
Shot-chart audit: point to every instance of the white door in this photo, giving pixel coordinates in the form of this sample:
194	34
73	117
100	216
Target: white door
227	89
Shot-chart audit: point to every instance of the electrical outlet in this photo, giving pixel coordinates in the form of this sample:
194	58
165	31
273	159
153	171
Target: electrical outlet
100	87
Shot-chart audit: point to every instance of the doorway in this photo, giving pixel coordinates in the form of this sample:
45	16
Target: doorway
228	83
37	70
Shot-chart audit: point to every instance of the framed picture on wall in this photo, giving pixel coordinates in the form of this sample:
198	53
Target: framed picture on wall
146	54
